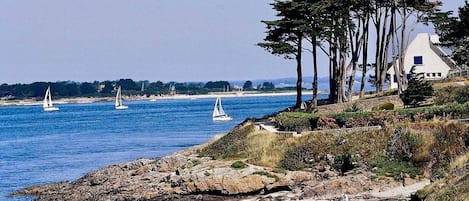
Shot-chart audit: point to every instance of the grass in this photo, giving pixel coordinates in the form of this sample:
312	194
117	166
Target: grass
425	146
267	149
394	167
267	174
239	165
452	187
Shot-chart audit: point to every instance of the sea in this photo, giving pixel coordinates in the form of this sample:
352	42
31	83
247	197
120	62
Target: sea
38	147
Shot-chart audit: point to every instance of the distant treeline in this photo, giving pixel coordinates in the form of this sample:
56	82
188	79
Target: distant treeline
129	87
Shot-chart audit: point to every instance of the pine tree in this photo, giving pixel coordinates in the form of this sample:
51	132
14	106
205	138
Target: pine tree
418	90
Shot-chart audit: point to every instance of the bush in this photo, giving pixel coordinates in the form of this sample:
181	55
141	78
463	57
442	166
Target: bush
297	158
324	123
239	165
353	108
451	94
343	163
386	106
393	167
418	90
410	146
290	121
352	123
381	118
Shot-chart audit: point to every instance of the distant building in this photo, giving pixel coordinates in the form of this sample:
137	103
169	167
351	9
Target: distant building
427	57
101	87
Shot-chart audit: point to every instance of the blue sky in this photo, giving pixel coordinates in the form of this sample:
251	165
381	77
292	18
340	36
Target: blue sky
168	40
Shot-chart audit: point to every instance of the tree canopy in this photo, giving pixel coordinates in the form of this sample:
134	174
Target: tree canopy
340	30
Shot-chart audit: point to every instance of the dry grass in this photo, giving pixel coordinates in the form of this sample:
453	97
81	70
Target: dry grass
423	152
455	186
452	82
460	162
263	149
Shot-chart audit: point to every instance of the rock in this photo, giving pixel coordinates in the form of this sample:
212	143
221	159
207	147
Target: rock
176	177
171	163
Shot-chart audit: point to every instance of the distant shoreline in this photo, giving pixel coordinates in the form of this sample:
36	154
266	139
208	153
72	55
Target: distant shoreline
29	102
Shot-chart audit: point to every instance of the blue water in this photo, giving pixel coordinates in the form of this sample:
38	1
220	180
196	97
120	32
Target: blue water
38	147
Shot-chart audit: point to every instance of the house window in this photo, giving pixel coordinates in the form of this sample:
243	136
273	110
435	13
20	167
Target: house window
433	74
428	74
439	74
418	60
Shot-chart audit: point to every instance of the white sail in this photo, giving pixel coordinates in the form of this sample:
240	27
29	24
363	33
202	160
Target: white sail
218	112
118	97
118	104
47	103
220	108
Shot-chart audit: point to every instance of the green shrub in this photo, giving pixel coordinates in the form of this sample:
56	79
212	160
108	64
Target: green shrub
299	157
280	171
267	174
239	165
418	90
290	121
386	106
195	162
459	94
353	108
393	167
409	146
343	163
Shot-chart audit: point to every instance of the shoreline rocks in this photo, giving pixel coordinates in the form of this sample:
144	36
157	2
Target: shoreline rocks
186	176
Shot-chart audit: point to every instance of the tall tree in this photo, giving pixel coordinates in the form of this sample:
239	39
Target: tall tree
311	12
285	38
411	13
454	32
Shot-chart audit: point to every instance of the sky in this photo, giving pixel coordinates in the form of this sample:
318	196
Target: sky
167	40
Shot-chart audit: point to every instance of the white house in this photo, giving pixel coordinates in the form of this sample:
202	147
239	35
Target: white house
427	57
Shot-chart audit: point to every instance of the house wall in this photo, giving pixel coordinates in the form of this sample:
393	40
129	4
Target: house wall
432	66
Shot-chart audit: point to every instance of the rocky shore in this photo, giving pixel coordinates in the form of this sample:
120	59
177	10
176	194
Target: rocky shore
187	176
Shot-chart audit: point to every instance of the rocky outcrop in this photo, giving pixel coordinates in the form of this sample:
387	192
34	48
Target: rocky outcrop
186	176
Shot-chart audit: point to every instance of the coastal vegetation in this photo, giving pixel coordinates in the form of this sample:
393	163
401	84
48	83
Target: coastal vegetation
380	143
407	143
341	31
66	89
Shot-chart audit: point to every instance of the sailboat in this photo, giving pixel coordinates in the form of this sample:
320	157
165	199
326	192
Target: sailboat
47	105
218	112
119	105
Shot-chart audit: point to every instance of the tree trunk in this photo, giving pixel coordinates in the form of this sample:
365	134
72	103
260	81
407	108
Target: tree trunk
365	55
299	74
332	72
314	102
403	47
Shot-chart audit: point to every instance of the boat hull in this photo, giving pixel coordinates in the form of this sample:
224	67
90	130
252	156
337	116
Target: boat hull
222	118
121	107
50	109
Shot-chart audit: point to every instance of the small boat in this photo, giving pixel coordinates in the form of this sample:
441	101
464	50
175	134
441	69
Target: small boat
119	105
47	105
218	112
